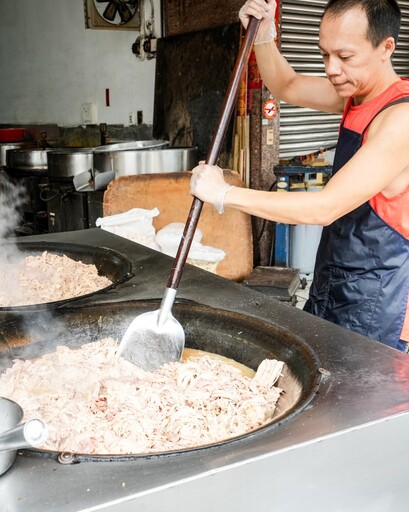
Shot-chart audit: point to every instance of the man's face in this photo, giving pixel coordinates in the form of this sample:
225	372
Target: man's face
352	64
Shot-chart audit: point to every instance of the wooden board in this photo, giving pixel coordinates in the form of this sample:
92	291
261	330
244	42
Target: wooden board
193	72
169	192
181	16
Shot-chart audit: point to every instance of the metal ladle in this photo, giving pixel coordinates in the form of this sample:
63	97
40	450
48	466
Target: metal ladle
26	435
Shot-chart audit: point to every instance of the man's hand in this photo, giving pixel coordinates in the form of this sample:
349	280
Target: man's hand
262	10
208	185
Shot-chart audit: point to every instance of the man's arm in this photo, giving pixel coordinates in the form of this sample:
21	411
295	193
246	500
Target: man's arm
302	90
278	76
380	165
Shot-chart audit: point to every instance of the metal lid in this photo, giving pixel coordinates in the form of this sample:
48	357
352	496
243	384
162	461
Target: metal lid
132	145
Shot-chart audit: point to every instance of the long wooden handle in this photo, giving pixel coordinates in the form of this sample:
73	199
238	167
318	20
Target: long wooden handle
214	150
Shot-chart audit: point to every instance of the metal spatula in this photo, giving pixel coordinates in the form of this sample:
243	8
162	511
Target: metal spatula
156	337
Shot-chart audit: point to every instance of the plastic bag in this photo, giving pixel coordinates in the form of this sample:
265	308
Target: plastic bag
135	225
202	256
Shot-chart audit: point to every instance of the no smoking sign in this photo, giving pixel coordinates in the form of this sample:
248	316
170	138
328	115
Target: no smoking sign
270	109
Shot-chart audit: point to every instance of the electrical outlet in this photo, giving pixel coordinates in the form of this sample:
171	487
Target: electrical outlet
131	118
89	113
270	137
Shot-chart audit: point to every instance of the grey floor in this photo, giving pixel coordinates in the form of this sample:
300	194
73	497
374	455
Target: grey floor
302	295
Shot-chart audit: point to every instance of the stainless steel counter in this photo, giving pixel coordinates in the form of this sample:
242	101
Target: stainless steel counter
347	451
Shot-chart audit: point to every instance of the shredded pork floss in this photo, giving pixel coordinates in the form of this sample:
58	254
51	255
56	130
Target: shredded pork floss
96	403
47	278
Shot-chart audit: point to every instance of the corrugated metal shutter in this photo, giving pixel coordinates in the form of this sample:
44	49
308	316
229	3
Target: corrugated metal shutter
302	130
401	56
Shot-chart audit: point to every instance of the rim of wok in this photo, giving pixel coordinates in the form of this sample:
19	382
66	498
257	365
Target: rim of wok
87	254
196	311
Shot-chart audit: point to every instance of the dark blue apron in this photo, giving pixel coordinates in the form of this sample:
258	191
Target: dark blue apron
361	275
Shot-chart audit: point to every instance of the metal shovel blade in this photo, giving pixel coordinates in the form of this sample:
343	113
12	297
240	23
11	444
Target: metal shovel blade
154	338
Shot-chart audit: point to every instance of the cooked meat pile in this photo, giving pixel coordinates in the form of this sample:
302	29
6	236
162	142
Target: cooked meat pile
96	403
47	278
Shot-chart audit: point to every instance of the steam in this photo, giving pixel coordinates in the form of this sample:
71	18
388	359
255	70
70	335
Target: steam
34	328
12	197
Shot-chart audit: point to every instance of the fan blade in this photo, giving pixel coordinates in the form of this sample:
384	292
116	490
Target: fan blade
125	13
110	11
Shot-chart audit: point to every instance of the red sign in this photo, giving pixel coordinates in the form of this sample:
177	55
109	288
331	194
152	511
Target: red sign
270	109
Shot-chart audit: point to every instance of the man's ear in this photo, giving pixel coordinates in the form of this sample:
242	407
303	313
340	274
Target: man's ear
388	46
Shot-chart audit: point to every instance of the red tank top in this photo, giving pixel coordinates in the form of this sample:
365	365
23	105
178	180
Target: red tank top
395	210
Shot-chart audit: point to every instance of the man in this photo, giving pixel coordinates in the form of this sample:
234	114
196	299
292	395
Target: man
361	278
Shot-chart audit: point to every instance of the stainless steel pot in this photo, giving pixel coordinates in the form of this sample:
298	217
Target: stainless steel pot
4	148
27	159
10	415
89	180
15	436
68	162
113	164
104	168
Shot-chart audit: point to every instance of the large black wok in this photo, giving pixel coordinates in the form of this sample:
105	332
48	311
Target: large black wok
246	339
109	263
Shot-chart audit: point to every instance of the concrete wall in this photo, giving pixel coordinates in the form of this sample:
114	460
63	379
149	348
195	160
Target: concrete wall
50	65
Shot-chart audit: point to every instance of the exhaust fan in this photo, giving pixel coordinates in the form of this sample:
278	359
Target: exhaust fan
112	14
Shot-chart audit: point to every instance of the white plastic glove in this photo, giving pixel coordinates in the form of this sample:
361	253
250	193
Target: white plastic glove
208	185
262	10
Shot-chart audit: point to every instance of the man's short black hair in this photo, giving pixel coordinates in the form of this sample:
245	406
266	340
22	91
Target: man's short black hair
384	16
